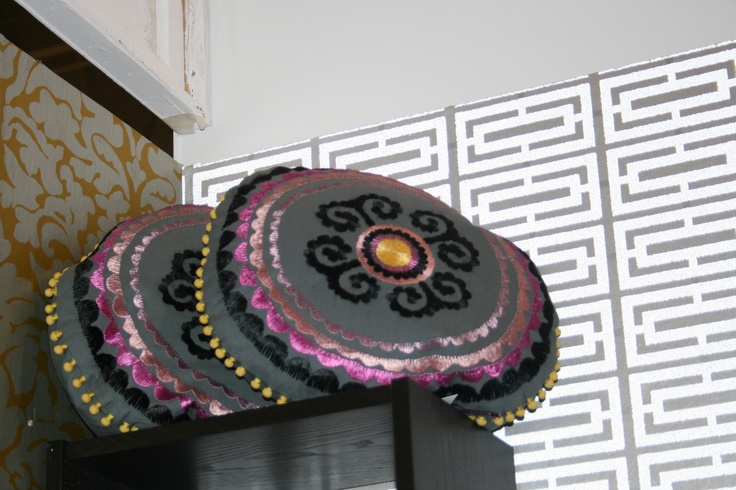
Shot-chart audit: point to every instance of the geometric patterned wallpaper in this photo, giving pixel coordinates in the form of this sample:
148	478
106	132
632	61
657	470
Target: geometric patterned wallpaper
622	187
69	171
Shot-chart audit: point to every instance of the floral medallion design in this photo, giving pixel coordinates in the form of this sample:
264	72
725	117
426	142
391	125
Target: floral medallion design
417	271
394	254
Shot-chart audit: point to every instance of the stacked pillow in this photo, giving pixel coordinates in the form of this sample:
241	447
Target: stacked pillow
300	283
124	329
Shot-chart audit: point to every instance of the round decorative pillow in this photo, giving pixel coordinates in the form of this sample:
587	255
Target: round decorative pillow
125	332
321	281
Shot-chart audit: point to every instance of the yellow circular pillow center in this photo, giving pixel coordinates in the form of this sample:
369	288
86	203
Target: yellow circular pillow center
393	252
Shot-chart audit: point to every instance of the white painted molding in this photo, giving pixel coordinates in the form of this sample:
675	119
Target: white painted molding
157	50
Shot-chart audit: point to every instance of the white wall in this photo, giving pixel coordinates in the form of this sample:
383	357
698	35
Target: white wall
286	71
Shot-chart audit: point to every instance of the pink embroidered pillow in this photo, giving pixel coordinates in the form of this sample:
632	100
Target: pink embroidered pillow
322	281
124	329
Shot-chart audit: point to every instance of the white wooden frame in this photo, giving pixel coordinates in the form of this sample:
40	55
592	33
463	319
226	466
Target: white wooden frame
156	49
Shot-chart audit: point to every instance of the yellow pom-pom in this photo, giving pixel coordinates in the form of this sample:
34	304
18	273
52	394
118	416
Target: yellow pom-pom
77	382
531	404
206	239
541	394
107	420
94	409
559	345
200	306
207	330
520	412
198	283
255	384
558	332
509	417
204	319
199	272
481	421
499	421
49	292
205	252
220	353
87	397
59	349
58	274
214	343
558	366
281	400
53	282
51	319
229	362
549	384
69	366
208	228
203	262
267	392
133	428
199	294
553	375
55	335
49	309
125	427
213	214
240	372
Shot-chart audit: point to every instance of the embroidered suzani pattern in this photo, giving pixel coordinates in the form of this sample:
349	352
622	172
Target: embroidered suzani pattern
329	280
415	270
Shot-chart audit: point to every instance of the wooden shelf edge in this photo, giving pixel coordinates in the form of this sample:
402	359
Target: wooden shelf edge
400	433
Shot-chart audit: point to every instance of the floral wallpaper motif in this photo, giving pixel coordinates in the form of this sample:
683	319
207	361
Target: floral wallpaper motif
69	171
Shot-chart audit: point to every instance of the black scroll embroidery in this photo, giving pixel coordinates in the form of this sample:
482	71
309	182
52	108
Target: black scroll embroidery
337	260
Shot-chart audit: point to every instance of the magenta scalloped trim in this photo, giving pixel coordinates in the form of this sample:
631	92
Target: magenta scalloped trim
124	358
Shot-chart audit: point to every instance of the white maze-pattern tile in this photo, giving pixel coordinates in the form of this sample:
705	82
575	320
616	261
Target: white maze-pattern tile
668	96
494	136
682	405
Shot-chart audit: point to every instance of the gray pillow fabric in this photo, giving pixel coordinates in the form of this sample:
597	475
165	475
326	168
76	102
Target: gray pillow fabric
300	283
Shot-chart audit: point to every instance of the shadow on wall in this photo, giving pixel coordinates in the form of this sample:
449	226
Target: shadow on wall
69	172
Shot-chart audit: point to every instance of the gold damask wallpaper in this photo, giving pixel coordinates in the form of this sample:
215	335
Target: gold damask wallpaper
69	171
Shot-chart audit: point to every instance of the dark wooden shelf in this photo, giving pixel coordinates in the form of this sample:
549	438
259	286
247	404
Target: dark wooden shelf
400	433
